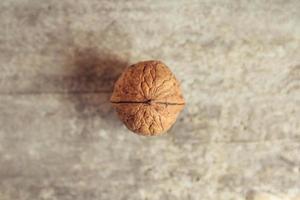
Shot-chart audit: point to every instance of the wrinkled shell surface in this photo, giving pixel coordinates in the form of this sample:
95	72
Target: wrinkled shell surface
147	98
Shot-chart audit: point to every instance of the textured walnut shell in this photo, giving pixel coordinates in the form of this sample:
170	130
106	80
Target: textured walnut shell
147	98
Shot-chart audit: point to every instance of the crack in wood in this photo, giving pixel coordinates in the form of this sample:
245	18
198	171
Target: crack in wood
53	92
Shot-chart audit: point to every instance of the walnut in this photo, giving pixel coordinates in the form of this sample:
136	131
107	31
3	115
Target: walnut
147	98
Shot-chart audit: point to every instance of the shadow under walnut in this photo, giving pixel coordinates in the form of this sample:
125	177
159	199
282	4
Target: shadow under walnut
147	98
90	82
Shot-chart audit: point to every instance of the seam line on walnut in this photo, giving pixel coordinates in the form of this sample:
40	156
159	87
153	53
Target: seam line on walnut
147	102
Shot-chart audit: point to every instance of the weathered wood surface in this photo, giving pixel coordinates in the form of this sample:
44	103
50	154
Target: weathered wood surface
239	64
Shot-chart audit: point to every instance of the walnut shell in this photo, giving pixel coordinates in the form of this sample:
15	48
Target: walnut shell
147	98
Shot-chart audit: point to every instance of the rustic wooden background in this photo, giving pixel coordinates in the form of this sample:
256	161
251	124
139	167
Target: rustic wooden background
238	137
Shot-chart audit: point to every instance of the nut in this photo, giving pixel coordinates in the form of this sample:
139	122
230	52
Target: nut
147	98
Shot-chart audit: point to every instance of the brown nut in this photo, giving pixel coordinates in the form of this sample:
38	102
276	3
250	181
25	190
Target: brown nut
147	98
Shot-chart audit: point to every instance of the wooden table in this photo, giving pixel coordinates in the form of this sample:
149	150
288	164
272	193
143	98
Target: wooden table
238	137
